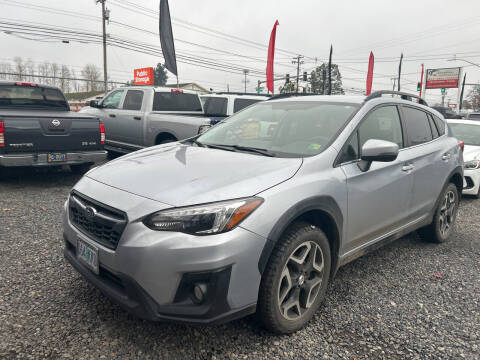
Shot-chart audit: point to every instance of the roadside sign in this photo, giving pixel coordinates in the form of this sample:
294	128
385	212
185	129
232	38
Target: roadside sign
143	76
442	78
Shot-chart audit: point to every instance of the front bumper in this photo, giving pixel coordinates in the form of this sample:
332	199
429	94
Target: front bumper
471	182
150	272
40	159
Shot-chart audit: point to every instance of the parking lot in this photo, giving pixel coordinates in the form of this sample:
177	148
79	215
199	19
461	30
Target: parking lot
408	300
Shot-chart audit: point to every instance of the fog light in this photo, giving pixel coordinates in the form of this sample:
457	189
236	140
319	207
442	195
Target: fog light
199	293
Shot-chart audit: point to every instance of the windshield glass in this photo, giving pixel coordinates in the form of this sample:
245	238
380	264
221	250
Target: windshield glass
289	128
14	96
469	134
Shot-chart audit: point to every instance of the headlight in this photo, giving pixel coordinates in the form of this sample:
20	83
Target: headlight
473	164
204	219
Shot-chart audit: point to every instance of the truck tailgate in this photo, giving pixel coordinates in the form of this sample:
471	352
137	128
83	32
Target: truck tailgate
50	131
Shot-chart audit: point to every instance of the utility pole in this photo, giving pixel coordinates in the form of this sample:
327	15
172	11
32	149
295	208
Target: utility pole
245	72
105	16
324	79
298	60
394	82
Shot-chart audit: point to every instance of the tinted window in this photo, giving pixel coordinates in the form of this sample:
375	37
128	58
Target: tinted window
133	100
31	96
468	133
433	127
240	104
176	101
215	106
112	101
474	116
288	128
440	125
381	124
418	128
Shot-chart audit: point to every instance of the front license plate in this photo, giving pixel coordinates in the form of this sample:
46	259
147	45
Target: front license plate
88	255
56	157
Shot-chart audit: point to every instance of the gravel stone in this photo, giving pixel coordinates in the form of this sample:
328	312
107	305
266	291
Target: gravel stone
389	304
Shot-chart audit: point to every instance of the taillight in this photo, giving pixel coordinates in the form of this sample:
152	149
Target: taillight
2	134
461	144
25	84
102	134
180	91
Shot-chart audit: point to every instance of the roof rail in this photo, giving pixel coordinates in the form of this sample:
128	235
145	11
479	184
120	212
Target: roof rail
286	95
236	93
403	95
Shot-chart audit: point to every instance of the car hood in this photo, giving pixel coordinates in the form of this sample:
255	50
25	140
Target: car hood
180	175
471	152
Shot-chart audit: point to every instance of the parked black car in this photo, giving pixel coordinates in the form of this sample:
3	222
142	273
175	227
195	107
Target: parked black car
37	128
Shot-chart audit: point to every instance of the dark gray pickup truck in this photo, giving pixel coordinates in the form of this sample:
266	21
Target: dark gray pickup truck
37	128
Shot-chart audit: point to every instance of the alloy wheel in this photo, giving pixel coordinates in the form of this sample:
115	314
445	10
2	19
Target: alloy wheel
301	280
447	213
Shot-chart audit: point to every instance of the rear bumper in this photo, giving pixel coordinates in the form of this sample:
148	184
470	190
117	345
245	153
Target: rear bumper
40	159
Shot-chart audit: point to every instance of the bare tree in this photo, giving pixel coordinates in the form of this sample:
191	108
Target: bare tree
54	72
64	79
5	69
30	70
92	74
19	68
44	70
75	83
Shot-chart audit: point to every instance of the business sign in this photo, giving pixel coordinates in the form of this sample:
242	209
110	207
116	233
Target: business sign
442	78
143	76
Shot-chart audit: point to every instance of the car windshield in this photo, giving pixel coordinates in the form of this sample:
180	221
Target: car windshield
468	133
14	96
284	129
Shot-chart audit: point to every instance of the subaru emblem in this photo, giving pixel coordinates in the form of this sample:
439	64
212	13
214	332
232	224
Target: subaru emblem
90	212
55	122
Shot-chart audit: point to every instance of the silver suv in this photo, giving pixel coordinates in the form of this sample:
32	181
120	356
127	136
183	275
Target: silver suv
258	213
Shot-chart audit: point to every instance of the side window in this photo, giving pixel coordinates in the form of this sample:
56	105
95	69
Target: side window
418	127
133	100
381	124
440	125
112	101
433	127
240	104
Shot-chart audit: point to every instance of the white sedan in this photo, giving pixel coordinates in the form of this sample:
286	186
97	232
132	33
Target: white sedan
469	132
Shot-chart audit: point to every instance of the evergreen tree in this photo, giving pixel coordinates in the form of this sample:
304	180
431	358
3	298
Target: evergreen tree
160	75
317	80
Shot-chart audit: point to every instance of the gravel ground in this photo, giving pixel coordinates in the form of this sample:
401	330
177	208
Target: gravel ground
408	300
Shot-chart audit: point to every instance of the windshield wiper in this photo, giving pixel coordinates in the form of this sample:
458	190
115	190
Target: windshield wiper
263	152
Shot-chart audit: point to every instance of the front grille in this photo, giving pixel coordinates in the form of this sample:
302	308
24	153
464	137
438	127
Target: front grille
100	222
469	182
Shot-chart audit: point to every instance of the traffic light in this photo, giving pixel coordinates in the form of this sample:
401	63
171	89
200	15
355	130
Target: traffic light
442	90
419	86
287	78
305	76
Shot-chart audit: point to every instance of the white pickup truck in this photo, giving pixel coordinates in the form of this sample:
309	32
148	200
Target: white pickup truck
141	116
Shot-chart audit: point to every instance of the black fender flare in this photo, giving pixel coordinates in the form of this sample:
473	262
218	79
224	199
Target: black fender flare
323	203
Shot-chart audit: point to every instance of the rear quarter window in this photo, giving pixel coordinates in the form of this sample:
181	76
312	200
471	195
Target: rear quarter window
240	104
440	125
215	106
176	101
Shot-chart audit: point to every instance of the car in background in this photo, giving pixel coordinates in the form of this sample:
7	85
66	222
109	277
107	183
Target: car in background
469	132
473	116
219	106
447	112
137	117
38	129
236	220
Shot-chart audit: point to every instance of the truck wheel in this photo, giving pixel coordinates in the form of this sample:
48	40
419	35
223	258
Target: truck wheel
295	279
445	215
80	169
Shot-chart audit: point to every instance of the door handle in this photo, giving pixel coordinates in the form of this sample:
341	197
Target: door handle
137	118
446	156
112	115
407	167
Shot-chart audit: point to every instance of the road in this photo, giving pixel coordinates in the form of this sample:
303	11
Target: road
408	300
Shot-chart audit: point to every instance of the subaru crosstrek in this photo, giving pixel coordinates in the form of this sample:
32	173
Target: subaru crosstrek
258	213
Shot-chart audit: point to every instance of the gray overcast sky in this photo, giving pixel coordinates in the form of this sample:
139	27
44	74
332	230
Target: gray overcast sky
426	31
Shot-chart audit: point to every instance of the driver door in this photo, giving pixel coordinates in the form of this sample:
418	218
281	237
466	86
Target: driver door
378	199
109	113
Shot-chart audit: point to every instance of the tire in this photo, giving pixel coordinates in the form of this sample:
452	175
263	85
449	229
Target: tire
301	241
443	222
80	169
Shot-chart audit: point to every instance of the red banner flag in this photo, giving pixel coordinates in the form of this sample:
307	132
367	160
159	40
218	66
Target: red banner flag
370	74
271	53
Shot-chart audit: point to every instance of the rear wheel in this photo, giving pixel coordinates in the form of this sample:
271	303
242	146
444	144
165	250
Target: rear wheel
80	169
295	279
165	139
445	215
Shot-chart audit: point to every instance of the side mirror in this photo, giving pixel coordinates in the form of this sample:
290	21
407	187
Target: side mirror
377	150
94	104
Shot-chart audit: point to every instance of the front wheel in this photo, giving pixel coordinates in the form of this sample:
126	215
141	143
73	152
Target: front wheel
445	215
295	280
